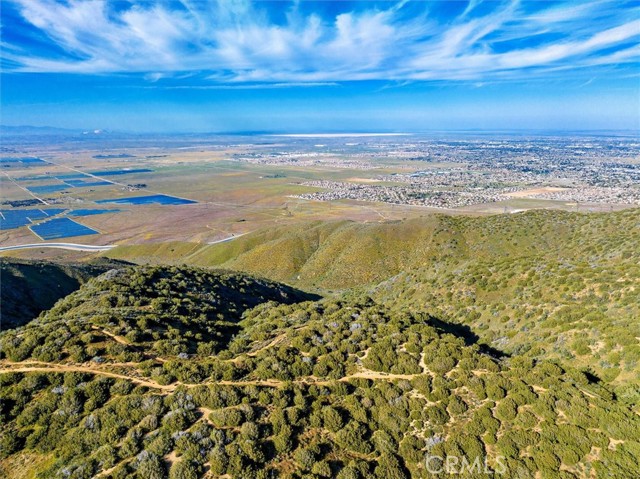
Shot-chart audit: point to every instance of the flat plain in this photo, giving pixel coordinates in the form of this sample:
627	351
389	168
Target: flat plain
214	188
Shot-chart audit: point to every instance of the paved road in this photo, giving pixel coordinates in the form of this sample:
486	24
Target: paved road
230	238
71	246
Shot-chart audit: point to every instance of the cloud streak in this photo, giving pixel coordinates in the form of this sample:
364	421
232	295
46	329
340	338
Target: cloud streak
246	86
243	42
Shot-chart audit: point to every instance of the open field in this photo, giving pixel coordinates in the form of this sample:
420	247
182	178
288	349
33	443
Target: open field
534	191
235	185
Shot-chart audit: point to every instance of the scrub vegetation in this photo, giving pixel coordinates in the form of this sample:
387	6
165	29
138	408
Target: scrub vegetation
544	284
513	352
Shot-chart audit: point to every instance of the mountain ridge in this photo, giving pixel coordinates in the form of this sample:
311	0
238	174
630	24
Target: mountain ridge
340	387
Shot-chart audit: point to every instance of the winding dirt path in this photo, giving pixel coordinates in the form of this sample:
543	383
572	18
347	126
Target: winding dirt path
38	366
115	337
274	342
34	366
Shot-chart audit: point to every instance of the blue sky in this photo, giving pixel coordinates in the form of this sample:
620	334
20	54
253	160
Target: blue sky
195	65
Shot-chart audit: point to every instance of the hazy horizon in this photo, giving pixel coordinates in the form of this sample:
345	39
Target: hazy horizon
321	66
319	133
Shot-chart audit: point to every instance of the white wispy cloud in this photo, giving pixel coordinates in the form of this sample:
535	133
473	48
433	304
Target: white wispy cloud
246	86
235	42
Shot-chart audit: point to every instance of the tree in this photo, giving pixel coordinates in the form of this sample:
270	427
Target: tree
183	470
389	467
354	438
250	431
506	410
283	441
218	461
10	443
348	472
321	469
332	419
384	443
150	466
305	458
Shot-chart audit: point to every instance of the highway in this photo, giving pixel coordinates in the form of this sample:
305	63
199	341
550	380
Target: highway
71	246
230	238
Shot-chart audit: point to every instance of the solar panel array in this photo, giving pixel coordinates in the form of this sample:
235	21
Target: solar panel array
57	228
150	199
10	219
85	184
42	222
90	212
76	180
47	188
126	171
21	161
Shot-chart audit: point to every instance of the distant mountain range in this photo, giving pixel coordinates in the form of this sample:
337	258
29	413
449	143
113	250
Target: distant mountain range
30	130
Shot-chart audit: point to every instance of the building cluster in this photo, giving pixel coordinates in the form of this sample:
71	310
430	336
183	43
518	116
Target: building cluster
593	194
452	173
467	178
399	195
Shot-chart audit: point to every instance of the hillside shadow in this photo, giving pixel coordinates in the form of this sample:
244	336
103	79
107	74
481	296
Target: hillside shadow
466	333
29	287
238	300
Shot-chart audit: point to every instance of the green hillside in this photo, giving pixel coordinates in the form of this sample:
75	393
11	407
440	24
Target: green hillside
30	287
287	387
132	313
581	312
344	254
545	284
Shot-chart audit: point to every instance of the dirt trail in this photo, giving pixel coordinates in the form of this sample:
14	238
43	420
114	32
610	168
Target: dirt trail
170	458
369	374
115	337
65	368
277	340
37	366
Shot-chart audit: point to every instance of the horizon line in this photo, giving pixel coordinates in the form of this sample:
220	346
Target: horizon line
318	133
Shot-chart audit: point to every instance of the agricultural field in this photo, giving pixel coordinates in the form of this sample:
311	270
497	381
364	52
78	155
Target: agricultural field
209	189
60	228
176	195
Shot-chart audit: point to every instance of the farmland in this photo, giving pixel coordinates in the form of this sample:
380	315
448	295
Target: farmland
206	189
